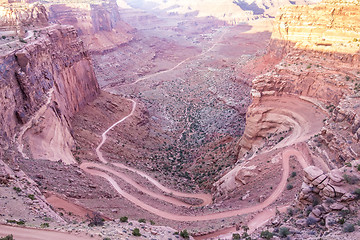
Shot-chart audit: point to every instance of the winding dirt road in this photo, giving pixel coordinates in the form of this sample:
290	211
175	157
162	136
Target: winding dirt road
303	128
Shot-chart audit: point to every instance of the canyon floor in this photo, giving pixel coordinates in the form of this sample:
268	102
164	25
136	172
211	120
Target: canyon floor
165	129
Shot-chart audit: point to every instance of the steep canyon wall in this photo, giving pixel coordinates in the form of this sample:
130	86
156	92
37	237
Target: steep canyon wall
319	50
42	85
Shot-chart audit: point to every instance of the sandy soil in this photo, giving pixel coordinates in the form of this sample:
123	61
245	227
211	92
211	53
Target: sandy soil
20	233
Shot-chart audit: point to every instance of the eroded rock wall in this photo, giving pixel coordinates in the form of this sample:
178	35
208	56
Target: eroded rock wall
99	24
319	51
41	86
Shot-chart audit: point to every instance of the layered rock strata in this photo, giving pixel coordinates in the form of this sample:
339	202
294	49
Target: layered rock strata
319	51
98	23
42	85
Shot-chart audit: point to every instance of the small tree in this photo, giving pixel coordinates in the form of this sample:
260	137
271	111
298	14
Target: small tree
184	234
124	219
136	232
95	219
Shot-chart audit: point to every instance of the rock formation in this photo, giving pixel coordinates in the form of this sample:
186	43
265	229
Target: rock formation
42	85
316	58
99	24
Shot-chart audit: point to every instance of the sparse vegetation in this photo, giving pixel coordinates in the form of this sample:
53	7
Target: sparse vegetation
17	189
31	196
142	220
106	238
293	174
350	179
44	225
136	232
22	40
184	234
266	234
152	222
284	232
95	219
349	228
8	237
236	236
20	222
124	219
289	186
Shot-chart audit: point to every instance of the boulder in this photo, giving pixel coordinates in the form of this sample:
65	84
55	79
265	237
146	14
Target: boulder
312	172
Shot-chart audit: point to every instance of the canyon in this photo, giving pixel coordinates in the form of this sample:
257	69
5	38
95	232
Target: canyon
210	118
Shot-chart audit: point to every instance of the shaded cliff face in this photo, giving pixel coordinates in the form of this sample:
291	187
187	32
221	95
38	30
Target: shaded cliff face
42	85
319	56
99	24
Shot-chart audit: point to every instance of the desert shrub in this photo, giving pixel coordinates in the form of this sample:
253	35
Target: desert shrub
293	174
351	179
358	167
284	232
290	211
22	40
349	228
310	221
142	220
17	189
106	238
289	186
20	222
8	237
31	196
3	37
45	225
266	234
184	234
124	219
152	222
95	219
136	232
341	221
236	236
357	193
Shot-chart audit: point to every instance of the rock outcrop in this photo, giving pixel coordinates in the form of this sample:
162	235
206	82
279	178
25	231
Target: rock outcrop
328	192
315	65
16	16
42	85
99	24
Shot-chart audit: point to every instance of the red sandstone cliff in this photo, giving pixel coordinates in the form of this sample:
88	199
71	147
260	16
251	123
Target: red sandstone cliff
319	51
99	24
42	85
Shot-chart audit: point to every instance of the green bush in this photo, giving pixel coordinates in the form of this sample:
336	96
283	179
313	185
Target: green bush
31	196
17	189
349	228
152	222
266	234
142	220
293	174
20	222
184	234
284	232
358	167
124	219
236	236
8	237
106	238
136	232
45	225
289	186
